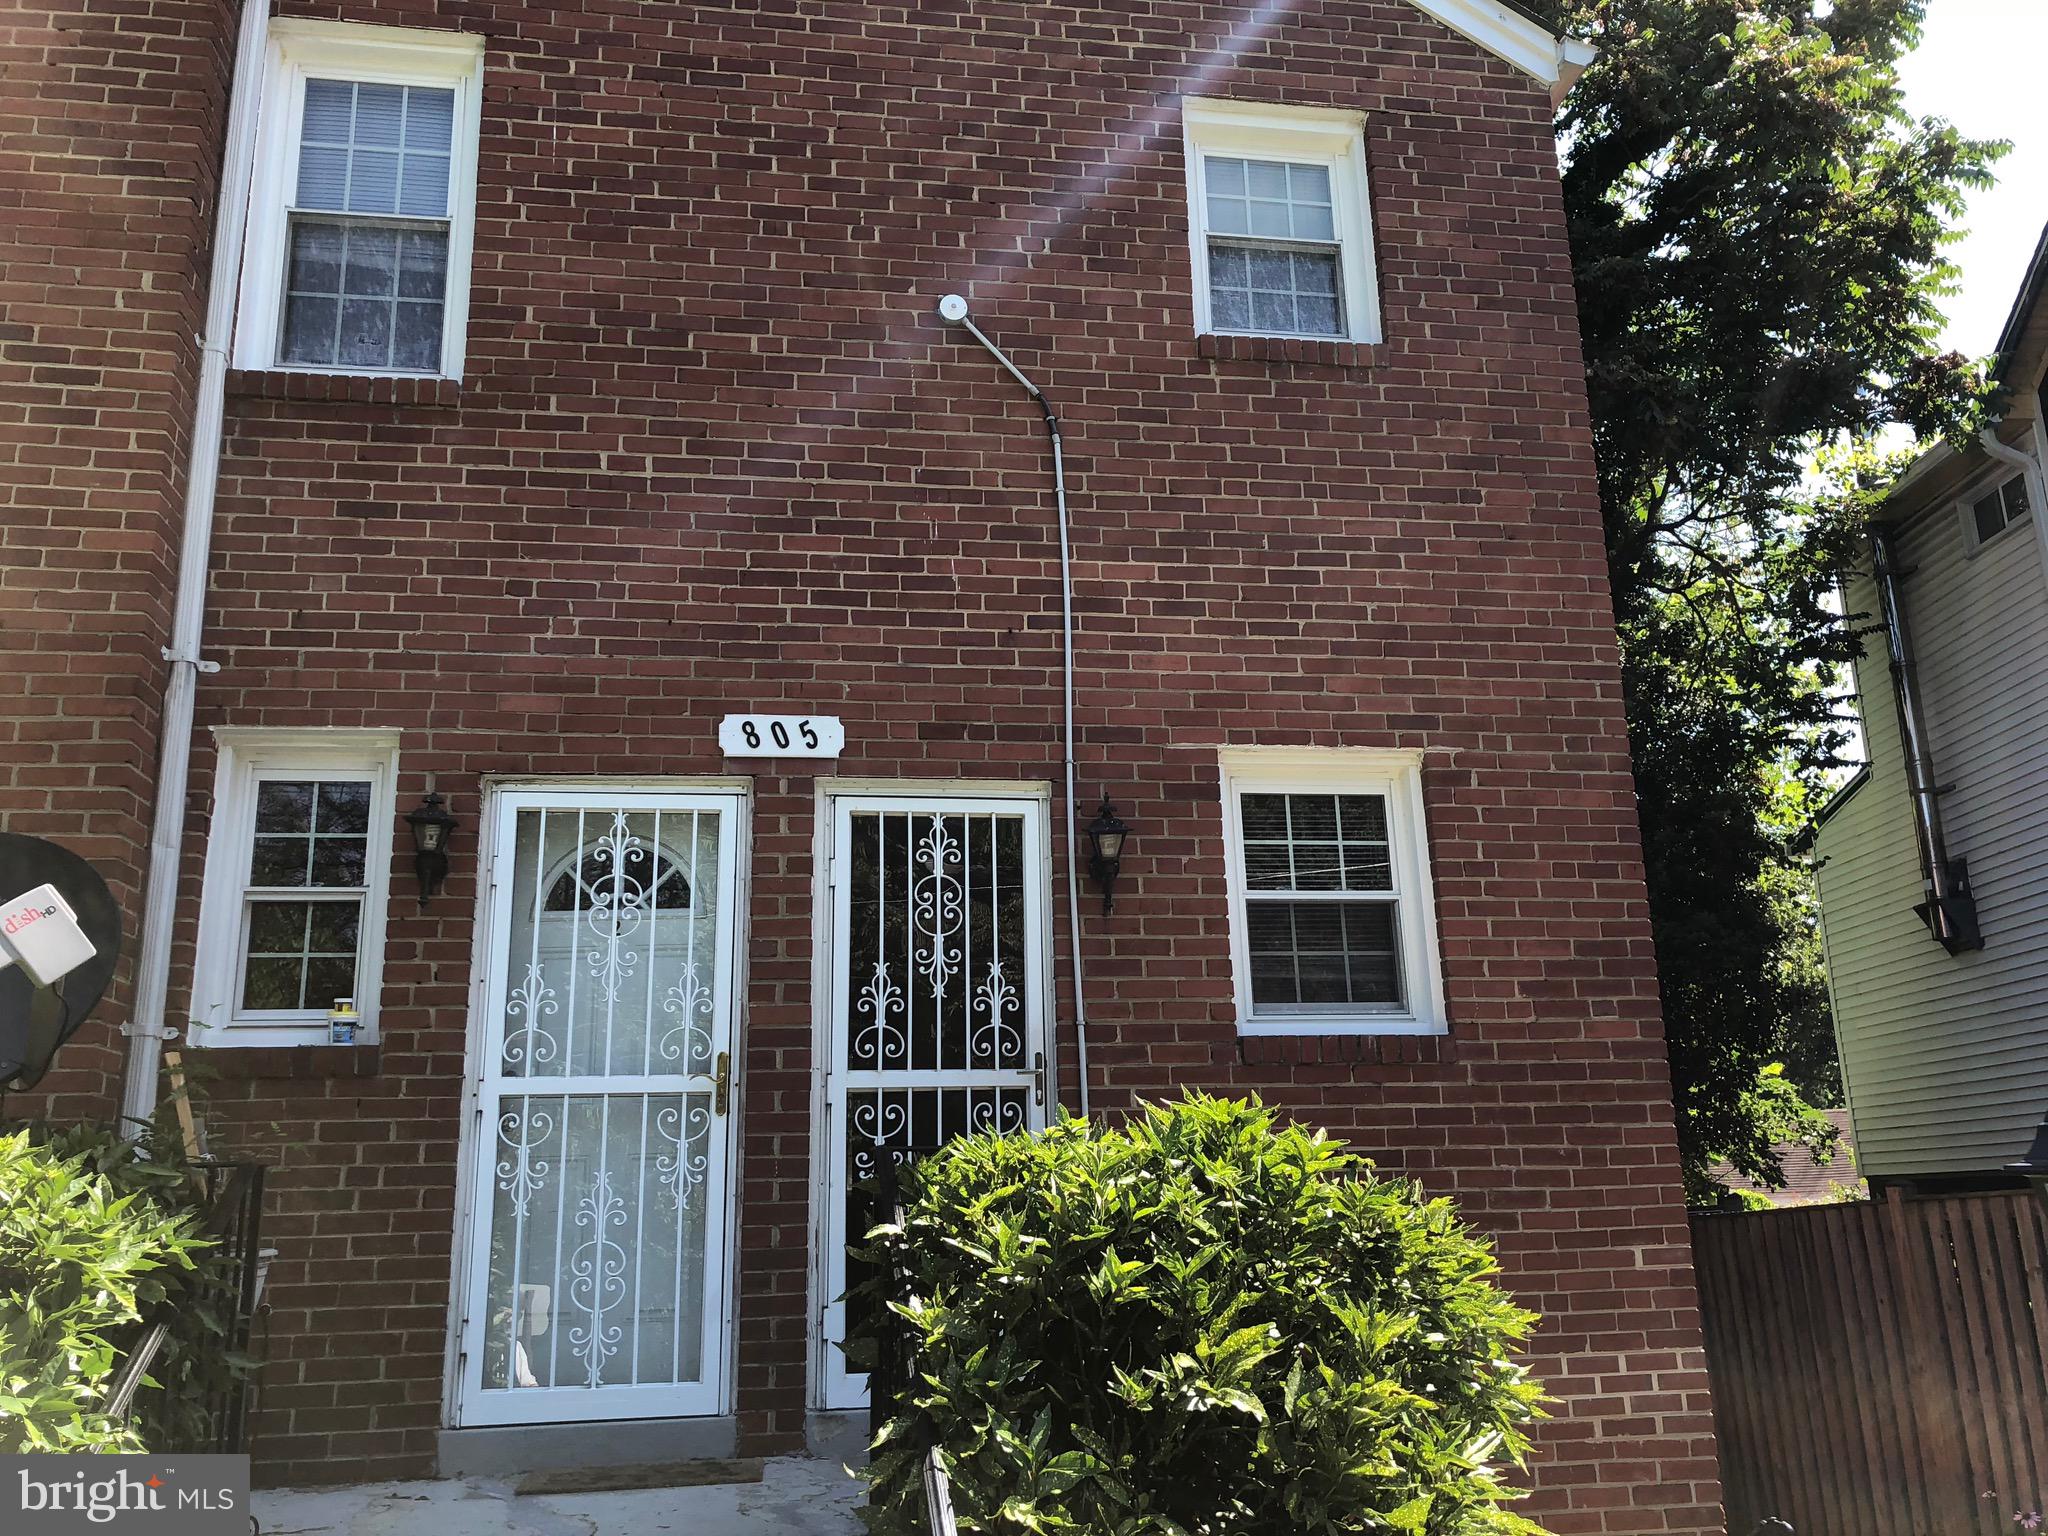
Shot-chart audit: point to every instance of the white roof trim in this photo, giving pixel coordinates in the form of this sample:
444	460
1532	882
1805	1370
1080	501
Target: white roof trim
1528	45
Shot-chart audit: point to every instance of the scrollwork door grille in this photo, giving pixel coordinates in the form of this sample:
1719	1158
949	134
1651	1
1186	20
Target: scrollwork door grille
940	997
599	1216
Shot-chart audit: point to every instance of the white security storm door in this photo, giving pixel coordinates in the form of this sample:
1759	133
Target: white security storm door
939	987
597	1284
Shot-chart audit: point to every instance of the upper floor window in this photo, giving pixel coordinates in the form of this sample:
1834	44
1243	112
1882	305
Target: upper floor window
1990	513
1333	924
297	875
1279	222
361	213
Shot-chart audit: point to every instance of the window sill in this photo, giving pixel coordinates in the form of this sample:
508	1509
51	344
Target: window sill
1290	349
296	1063
1352	1049
349	388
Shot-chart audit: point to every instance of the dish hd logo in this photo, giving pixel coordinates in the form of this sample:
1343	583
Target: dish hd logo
179	1496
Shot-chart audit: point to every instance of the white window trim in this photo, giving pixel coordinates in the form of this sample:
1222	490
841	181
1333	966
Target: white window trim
1347	770
383	56
1300	134
1966	513
245	756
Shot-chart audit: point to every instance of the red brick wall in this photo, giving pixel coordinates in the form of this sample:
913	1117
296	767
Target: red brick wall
714	451
110	133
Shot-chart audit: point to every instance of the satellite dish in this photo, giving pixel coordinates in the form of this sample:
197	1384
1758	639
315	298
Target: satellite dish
35	1020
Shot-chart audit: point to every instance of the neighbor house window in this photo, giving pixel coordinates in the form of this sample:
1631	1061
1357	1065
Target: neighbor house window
363	201
1989	513
1279	222
297	874
1332	922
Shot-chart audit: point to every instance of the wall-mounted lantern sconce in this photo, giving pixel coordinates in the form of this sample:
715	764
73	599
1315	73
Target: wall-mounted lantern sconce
432	826
1106	839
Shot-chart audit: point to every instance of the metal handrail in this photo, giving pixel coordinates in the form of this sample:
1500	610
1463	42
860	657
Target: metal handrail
232	1196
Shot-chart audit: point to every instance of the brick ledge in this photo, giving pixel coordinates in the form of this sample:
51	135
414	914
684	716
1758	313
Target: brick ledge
304	1063
1290	349
1344	1049
354	389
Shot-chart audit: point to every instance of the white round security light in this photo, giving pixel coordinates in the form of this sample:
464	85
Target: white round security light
952	309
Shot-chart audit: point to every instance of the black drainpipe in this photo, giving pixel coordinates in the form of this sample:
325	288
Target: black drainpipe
1949	911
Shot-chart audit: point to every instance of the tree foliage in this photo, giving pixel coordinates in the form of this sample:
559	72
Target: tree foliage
1757	230
1196	1322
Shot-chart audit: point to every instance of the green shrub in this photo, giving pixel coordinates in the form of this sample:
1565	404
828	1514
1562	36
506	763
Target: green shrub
1197	1322
90	1245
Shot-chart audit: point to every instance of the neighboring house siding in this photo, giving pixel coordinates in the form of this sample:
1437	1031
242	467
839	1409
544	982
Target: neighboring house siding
711	451
1946	1057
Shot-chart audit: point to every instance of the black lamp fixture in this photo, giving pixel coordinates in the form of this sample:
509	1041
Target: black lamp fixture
432	826
2034	1166
1106	838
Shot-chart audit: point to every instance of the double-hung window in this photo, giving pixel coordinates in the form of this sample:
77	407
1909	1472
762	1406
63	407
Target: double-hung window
297	875
1279	222
363	202
1332	921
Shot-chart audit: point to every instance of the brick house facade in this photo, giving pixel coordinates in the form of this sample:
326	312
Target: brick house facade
703	448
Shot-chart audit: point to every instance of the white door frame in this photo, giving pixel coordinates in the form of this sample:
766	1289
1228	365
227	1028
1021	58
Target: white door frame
500	800
832	1388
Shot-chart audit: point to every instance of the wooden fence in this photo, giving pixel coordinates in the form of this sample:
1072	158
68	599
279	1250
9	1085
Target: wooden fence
1880	1369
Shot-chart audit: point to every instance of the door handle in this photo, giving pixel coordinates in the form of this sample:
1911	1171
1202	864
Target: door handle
721	1084
1038	1078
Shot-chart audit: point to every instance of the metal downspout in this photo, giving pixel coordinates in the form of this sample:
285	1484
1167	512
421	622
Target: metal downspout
145	1030
953	310
1949	911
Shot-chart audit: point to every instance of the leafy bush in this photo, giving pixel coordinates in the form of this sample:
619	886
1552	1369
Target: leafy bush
1200	1323
79	1264
198	1363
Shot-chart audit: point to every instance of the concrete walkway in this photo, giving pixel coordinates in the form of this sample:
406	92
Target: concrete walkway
796	1496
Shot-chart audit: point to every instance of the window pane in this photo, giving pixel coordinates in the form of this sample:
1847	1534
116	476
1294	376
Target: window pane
1990	515
416	342
328	980
423	264
1226	176
323	178
329	108
380	114
273	984
426	186
2015	498
278	927
338	861
283	806
1270	219
365	333
309	330
373	182
370	261
343	807
429	120
332	930
278	861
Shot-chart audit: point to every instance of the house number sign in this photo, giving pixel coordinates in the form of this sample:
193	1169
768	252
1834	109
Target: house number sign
781	736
